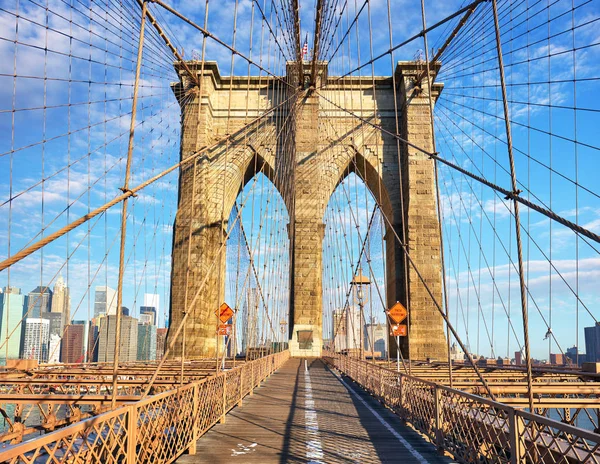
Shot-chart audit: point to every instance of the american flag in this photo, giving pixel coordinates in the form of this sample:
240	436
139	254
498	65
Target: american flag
305	47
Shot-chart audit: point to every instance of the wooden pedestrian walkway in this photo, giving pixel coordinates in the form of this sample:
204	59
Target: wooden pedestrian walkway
311	416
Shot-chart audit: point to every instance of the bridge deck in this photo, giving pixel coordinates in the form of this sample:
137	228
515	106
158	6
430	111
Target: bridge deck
301	416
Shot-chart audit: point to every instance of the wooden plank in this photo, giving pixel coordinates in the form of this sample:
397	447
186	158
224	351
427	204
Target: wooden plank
296	413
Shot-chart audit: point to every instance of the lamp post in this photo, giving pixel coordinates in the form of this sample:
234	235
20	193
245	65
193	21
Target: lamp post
358	281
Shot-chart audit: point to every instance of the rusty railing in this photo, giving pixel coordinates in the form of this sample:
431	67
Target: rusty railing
157	429
470	427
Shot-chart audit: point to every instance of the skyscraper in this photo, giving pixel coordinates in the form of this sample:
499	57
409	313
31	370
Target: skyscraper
61	301
92	344
338	330
376	337
35	339
105	302
161	338
107	339
592	343
56	323
250	335
73	343
152	300
11	312
54	349
150	311
346	329
39	301
146	342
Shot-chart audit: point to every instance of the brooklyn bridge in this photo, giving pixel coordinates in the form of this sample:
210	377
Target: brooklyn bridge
307	231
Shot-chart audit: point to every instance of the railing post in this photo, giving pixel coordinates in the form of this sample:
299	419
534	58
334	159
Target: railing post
401	399
131	434
439	420
515	429
241	387
192	448
224	406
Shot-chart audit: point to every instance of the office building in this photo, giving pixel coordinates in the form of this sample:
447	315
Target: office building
11	313
35	339
146	342
105	302
61	301
151	300
250	324
376	337
456	354
161	339
54	349
74	343
557	359
56	323
39	301
107	339
346	329
592	343
148	314
92	343
518	358
125	311
574	357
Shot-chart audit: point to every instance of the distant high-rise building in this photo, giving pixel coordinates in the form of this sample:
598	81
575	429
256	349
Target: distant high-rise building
39	301
107	338
54	349
557	358
346	329
11	313
592	343
250	334
92	344
338	330
376	337
456	354
161	338
149	311
572	355
73	343
518	358
35	339
146	342
61	301
152	300
105	302
125	311
56	323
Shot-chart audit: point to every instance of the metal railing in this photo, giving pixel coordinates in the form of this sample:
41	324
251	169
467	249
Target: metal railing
471	428
157	429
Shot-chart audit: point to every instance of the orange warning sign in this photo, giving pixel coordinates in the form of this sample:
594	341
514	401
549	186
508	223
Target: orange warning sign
397	313
224	329
399	330
224	312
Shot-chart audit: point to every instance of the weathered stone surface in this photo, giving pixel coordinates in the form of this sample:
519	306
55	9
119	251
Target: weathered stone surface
328	144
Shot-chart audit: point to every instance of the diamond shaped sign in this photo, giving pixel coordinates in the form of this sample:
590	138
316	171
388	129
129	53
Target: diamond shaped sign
224	312
397	313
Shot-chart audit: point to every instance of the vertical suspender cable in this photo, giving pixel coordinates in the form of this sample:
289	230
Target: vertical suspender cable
516	208
125	189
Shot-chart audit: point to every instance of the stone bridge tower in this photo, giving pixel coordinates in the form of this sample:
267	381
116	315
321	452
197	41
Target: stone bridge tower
400	178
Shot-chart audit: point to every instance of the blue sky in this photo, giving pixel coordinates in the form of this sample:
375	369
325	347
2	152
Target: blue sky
91	57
